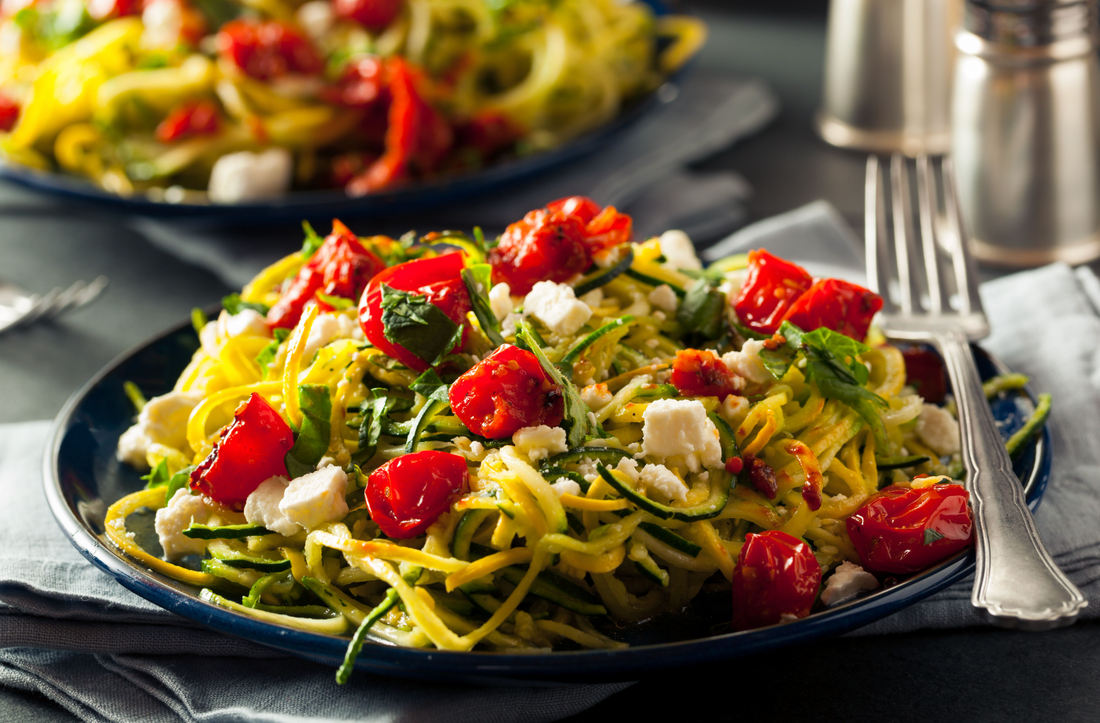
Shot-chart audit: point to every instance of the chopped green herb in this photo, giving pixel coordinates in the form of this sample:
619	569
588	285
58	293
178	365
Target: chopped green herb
234	305
417	325
312	241
931	536
312	440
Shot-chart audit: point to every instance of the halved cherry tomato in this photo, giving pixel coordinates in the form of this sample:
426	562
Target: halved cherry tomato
437	278
836	305
608	230
193	118
776	575
340	267
250	451
770	289
581	207
100	10
924	370
373	15
701	373
9	113
545	245
406	495
903	530
760	475
267	49
504	392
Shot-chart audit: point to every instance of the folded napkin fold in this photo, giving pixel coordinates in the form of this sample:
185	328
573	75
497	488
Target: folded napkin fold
73	634
642	171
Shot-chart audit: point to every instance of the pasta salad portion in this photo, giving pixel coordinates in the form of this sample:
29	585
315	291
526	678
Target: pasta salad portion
526	443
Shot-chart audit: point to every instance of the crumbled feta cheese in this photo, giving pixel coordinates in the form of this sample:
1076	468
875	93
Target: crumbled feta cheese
607	258
747	362
540	442
734	408
246	322
326	327
316	18
652	343
596	396
556	306
680	428
500	301
587	469
847	581
474	451
938	429
161	21
566	486
247	176
325	461
163	420
678	251
629	467
663	297
316	498
179	514
508	323
262	507
660	478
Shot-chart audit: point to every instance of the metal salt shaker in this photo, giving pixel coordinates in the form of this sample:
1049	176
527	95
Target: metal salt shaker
1026	130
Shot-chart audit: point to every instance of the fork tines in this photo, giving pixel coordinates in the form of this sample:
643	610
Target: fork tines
929	247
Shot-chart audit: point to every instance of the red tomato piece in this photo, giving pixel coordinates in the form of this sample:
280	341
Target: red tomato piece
340	267
545	245
406	495
924	370
9	113
251	450
194	118
776	575
836	305
701	373
363	83
761	476
902	530
371	14
100	10
267	49
581	207
608	230
488	133
437	278
770	288
504	392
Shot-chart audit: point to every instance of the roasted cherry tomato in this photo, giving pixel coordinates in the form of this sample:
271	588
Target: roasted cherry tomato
608	230
836	305
701	373
267	49
488	133
545	245
371	14
759	475
770	288
581	207
9	113
903	530
406	495
362	83
776	575
250	451
504	392
437	278
100	10
340	267
924	370
417	136
194	118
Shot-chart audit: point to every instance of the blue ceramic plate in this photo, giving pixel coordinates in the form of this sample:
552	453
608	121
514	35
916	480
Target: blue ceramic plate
82	477
329	203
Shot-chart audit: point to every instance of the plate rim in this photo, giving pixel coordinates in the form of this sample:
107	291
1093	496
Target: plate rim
496	667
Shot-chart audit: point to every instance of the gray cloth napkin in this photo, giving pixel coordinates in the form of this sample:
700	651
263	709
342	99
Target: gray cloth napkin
642	172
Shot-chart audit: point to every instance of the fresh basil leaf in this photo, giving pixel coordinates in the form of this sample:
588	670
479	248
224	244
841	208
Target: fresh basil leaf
268	353
336	302
234	305
844	348
931	536
702	309
428	383
417	325
437	392
478	282
312	241
180	480
370	428
313	437
158	476
577	421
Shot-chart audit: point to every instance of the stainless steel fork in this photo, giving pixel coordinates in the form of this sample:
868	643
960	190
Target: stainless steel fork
1016	584
17	307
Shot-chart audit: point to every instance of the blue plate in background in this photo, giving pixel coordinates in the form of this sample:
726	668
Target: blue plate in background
82	477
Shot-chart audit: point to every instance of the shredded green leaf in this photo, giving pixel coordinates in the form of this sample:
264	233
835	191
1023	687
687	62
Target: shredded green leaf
702	309
578	419
234	305
312	241
417	325
313	438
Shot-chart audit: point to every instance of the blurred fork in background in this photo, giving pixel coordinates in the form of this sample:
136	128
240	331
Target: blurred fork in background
18	308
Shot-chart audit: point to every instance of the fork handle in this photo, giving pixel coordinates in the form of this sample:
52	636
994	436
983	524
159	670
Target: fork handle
1017	584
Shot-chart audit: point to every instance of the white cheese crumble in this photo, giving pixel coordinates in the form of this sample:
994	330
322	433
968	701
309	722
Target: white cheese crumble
558	307
161	21
316	498
316	18
540	442
163	420
472	450
747	362
938	429
734	408
326	328
247	176
500	301
663	297
596	396
182	510
587	468
629	467
566	486
847	581
678	251
262	507
660	478
680	428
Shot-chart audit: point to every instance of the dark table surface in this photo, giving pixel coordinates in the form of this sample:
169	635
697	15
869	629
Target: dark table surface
976	674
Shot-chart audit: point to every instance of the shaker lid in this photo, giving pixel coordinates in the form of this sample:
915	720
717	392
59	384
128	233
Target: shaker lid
1051	28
